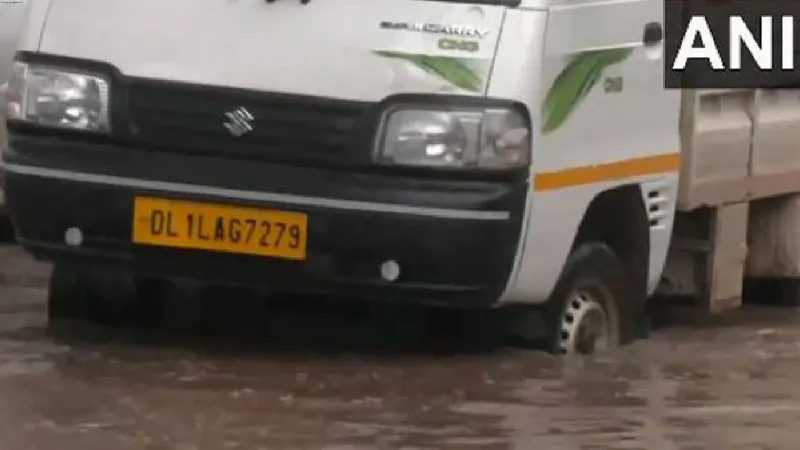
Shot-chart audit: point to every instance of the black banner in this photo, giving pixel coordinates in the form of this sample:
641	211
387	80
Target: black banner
716	30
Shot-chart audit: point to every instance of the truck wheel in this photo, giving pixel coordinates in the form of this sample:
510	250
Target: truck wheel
591	306
99	297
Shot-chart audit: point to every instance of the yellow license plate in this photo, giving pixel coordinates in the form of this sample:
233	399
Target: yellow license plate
219	228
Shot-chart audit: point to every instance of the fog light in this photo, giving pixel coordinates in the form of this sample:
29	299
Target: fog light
73	236
390	270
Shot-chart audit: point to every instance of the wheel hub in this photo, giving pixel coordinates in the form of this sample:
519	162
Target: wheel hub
584	325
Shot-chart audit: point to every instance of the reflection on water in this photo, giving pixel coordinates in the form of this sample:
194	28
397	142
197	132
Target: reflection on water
247	374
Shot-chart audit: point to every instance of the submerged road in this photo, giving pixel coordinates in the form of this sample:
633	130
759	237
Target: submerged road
312	383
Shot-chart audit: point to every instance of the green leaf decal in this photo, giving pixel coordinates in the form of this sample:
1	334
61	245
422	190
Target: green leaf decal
452	70
575	82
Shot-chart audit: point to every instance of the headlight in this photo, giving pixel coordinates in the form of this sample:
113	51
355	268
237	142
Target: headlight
489	138
59	98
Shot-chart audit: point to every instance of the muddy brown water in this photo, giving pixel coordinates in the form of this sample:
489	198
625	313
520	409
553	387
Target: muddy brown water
325	377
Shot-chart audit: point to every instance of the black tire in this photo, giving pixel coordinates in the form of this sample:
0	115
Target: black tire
593	283
67	297
101	297
6	230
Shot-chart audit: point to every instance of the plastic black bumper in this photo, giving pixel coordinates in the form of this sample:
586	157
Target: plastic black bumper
455	240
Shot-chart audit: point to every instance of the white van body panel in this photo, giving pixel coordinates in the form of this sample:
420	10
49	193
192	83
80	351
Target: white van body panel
323	48
517	74
31	32
607	132
12	19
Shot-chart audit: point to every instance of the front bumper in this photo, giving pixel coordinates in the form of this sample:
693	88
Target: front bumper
455	240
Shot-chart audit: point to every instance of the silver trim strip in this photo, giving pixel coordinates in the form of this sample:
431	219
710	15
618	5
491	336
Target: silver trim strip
184	188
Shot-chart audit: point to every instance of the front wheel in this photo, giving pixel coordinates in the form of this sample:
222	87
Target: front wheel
592	305
101	297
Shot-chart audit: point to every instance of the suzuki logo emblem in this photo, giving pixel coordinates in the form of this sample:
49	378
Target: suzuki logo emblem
238	122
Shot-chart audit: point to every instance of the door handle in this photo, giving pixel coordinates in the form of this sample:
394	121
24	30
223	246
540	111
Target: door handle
653	34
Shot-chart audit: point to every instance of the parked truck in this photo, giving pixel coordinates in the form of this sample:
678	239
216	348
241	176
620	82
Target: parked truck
517	154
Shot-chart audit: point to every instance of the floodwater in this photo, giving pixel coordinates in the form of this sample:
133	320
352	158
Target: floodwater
319	376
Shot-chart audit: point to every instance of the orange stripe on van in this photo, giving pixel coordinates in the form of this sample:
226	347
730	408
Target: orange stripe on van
615	171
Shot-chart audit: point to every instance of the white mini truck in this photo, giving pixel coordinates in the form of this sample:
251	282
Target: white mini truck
469	154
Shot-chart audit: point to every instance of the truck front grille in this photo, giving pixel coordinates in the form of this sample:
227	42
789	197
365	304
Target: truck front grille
274	127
